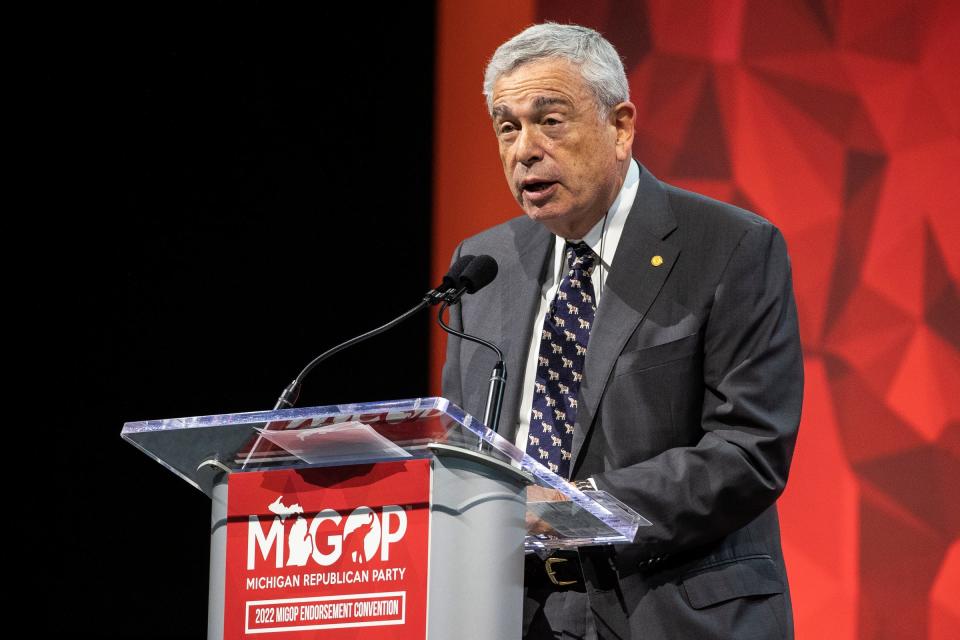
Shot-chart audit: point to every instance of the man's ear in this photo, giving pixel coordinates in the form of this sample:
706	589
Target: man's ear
624	117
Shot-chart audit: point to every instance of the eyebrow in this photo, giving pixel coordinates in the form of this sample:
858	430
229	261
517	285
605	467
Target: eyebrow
501	112
540	104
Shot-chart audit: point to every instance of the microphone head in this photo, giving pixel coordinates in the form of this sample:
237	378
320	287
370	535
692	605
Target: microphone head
479	273
452	278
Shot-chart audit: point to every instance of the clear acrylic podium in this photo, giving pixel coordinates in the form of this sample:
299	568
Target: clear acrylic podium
481	523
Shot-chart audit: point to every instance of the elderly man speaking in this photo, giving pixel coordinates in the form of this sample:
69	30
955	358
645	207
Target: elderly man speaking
654	336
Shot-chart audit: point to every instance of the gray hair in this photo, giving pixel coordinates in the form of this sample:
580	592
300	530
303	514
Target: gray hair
599	63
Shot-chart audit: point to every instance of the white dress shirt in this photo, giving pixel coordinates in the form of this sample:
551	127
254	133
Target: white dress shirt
603	238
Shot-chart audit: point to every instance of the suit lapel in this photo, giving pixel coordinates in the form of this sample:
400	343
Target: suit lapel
520	299
631	288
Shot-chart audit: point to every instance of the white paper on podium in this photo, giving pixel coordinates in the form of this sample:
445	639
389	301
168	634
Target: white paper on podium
335	442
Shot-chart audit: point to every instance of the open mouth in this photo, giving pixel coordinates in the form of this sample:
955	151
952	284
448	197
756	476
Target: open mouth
536	187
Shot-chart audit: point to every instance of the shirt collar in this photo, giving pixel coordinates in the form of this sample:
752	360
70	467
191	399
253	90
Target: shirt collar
604	236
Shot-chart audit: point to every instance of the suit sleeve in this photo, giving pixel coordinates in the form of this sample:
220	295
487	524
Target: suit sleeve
753	388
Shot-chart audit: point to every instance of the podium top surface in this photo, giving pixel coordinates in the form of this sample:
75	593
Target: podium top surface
199	448
196	448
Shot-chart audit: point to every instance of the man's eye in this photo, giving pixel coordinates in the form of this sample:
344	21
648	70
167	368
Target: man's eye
506	128
551	121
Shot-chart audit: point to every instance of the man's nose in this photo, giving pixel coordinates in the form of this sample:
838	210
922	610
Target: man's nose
529	146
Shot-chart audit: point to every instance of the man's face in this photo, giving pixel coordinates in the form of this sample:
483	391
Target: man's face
564	163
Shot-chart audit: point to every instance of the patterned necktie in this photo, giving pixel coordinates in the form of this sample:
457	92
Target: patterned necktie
563	349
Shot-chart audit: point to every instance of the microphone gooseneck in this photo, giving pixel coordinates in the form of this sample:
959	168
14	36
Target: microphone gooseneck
453	286
451	283
477	275
289	395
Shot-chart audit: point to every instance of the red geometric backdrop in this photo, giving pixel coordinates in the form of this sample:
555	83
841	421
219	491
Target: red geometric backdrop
840	122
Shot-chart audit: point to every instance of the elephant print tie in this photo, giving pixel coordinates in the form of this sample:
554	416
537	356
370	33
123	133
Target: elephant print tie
563	350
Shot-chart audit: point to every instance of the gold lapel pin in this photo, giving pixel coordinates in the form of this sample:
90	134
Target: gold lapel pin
656	261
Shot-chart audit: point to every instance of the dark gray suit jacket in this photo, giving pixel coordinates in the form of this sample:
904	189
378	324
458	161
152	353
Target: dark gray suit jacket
688	410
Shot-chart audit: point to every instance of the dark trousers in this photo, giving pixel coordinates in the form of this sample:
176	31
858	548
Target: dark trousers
552	609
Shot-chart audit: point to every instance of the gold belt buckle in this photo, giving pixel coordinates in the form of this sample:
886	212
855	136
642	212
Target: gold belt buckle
548	565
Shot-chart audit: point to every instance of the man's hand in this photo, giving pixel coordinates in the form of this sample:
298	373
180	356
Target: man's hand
536	493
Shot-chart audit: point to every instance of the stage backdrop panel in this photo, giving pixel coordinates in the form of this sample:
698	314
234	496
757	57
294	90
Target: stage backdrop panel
840	122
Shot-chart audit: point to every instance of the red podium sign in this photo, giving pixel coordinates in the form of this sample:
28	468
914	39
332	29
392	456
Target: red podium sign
328	553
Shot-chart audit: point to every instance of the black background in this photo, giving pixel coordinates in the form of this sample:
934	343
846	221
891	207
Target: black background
227	192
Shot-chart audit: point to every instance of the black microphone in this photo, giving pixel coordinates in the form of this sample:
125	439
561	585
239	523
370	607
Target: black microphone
475	276
479	273
451	283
